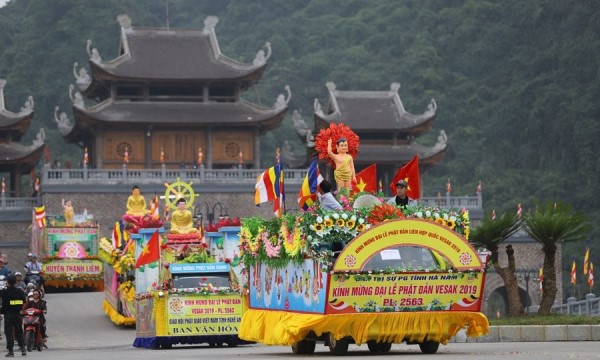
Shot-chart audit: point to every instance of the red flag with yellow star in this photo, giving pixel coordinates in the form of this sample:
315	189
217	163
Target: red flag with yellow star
150	253
366	180
410	174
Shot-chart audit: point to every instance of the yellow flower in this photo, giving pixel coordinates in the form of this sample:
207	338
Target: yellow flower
450	223
318	227
440	221
350	224
328	222
340	222
361	227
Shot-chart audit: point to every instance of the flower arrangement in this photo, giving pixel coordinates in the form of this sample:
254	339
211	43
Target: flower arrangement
127	288
275	242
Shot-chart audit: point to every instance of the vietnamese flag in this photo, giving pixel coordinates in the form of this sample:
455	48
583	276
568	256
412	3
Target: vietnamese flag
366	180
150	253
410	174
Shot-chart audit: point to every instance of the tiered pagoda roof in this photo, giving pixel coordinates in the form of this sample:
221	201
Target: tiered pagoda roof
15	158
387	131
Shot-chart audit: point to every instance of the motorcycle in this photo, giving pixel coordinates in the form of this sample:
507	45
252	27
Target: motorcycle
36	278
32	329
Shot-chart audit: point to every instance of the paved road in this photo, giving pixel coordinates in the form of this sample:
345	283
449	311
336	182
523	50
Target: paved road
80	330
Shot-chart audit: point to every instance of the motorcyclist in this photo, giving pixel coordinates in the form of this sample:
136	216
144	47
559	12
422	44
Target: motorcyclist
36	302
20	283
33	271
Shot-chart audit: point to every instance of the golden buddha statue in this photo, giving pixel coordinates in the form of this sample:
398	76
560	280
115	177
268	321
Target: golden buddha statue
136	204
181	220
68	212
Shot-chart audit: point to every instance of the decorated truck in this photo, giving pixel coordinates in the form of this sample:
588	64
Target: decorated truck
374	275
68	251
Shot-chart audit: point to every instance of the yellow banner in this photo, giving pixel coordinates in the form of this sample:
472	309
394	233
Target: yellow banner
72	266
413	232
204	315
405	292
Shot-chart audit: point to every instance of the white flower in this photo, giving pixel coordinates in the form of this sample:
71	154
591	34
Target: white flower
345	216
326	217
453	218
419	214
427	213
312	227
319	219
445	217
309	237
336	216
353	217
361	221
436	215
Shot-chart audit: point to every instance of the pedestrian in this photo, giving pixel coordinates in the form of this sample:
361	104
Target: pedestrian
13	300
328	201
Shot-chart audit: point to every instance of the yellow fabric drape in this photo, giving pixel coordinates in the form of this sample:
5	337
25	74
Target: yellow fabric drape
159	315
285	328
97	284
115	317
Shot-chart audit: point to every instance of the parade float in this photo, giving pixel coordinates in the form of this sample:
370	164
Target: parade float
184	293
68	248
377	275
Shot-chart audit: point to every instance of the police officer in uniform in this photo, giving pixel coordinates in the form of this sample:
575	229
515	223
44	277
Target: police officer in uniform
13	299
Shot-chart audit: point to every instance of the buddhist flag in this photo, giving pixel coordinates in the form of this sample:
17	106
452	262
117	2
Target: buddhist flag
410	174
479	187
150	253
308	191
154	211
366	180
591	276
493	214
266	184
279	204
519	210
117	237
586	260
448	186
574	273
40	216
541	278
36	185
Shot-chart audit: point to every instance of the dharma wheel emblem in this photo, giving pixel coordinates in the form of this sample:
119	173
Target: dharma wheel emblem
232	149
124	146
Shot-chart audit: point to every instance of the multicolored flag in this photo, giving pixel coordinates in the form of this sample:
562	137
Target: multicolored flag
448	187
586	260
269	187
479	187
493	214
410	174
519	210
40	216
117	236
154	210
366	180
573	273
308	191
591	276
150	253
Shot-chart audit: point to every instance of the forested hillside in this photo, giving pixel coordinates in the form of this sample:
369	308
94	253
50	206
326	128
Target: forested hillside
517	83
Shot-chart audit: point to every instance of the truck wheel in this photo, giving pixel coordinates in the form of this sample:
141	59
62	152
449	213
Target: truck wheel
304	347
379	347
338	347
429	347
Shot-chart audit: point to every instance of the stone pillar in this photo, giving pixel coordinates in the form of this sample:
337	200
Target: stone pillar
257	148
209	150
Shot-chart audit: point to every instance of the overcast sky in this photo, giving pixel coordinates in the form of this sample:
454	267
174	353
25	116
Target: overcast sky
2	2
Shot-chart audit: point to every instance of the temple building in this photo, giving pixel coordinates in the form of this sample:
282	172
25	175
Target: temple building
170	97
387	131
17	159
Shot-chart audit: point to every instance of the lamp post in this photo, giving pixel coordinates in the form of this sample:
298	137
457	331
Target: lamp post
198	217
526	276
221	207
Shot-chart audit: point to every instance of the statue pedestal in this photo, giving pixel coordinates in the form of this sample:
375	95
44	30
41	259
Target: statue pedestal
183	238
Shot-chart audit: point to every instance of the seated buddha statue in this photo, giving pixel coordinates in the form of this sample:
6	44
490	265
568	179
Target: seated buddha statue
136	204
181	219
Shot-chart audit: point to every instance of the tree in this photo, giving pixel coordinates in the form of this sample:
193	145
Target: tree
549	225
490	234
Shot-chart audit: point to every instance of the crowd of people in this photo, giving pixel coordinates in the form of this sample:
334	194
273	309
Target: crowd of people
21	293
